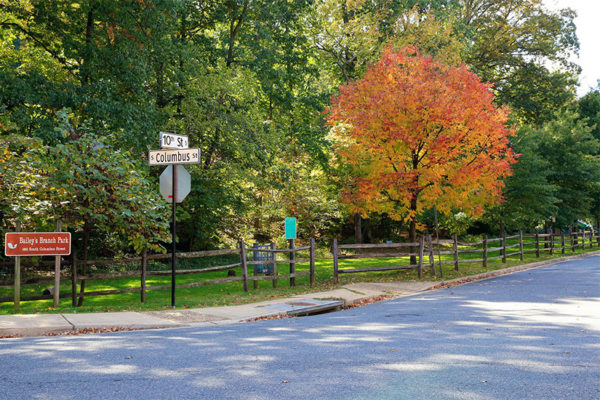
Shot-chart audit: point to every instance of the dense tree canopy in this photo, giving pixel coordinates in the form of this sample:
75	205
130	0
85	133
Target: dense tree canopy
248	82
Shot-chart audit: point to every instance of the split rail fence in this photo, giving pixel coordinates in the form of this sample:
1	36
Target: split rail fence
427	254
79	280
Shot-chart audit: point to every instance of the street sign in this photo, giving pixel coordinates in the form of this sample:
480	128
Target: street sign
184	183
290	228
172	141
166	157
37	244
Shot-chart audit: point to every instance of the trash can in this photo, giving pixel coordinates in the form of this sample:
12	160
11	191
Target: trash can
267	256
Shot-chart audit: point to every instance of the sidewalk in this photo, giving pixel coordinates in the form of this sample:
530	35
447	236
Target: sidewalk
54	324
349	295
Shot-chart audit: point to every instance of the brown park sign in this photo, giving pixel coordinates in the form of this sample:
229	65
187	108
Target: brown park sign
37	244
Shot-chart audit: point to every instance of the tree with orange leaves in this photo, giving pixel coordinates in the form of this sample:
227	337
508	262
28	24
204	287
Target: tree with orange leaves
418	133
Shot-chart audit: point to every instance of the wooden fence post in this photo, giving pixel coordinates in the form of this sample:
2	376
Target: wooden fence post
571	240
583	239
537	245
292	263
421	252
551	237
244	263
431	258
254	267
503	247
521	245
17	290
143	277
74	277
312	261
485	251
454	238
562	242
57	270
335	261
274	256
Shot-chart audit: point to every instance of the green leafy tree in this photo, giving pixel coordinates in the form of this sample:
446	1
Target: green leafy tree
529	197
570	151
588	108
95	57
510	44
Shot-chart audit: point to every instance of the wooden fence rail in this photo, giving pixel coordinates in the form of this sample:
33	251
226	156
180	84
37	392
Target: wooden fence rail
542	242
78	295
423	254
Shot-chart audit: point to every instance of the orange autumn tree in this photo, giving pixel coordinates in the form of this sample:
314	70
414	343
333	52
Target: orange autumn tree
418	133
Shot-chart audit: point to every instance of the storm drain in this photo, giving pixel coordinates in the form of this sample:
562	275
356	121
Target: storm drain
307	307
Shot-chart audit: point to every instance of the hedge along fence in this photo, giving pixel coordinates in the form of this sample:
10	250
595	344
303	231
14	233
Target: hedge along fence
427	250
78	296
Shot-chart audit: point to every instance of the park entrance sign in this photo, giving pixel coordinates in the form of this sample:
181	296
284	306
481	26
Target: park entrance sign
37	244
17	244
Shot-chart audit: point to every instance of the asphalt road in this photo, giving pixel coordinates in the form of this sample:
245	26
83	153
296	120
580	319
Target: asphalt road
530	335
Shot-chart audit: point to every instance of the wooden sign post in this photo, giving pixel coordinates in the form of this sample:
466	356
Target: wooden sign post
17	244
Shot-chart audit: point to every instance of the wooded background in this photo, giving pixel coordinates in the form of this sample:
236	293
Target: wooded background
86	86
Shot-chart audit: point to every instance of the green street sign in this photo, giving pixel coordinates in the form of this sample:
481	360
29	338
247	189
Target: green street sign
290	228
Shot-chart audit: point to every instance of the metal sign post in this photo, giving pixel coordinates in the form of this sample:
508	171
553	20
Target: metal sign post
178	153
174	232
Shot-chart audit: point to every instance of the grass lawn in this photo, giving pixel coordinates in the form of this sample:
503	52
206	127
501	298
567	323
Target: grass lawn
232	293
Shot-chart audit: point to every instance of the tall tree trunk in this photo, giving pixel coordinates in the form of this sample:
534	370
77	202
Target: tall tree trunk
234	27
358	237
86	243
181	88
412	232
87	54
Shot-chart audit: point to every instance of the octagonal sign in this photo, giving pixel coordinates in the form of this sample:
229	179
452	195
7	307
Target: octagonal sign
184	183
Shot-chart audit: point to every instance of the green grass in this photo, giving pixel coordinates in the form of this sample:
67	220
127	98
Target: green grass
232	293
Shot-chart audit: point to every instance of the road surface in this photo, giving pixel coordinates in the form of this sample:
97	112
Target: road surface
529	335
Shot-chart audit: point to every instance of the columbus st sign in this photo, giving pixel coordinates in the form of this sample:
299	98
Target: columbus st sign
168	157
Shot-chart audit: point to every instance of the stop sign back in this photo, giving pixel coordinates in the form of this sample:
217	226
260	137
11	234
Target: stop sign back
184	183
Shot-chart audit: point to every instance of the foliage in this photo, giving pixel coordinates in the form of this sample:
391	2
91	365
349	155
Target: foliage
588	107
21	170
420	133
530	199
92	186
511	44
572	152
247	81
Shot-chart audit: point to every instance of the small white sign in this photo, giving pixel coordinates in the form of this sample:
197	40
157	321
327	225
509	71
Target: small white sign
172	141
166	157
